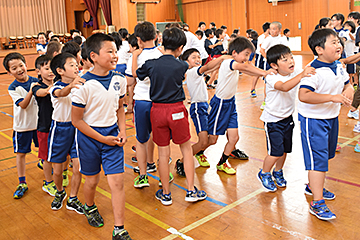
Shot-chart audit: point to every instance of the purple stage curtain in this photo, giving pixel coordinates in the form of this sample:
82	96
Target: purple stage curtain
106	8
92	6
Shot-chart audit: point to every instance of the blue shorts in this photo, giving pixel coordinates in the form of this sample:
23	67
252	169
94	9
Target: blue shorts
319	139
222	115
252	55
199	115
142	120
120	68
22	141
61	142
350	68
279	136
93	154
260	62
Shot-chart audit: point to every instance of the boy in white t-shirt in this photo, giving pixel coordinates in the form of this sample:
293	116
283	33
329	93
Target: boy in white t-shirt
277	114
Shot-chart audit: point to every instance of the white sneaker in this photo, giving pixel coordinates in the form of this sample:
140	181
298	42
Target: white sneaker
354	114
357	127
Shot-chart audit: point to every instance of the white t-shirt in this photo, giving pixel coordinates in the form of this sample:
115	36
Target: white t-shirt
349	47
227	80
279	104
61	105
213	40
99	96
193	42
24	119
123	53
196	85
142	88
325	81
260	39
226	42
41	47
272	41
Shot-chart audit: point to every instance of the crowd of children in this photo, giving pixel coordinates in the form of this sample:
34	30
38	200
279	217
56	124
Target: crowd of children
80	116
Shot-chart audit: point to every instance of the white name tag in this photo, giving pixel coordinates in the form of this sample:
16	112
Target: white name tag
177	116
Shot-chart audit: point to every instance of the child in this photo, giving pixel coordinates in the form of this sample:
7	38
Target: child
349	47
223	115
320	98
123	52
62	133
169	117
337	23
287	33
25	114
86	64
216	50
133	45
53	48
41	46
199	34
277	115
101	130
41	93
74	49
145	33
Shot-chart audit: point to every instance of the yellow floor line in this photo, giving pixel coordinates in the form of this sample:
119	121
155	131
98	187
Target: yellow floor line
356	138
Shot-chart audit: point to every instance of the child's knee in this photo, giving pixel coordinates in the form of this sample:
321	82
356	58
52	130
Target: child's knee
233	139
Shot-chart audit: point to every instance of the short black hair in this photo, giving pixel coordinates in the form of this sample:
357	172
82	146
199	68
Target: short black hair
254	35
339	16
355	15
58	62
248	31
236	31
71	47
53	46
201	23
78	40
266	26
286	30
116	36
208	32
145	31
95	42
239	44
276	52
133	41
185	56
218	32
212	23
124	33
84	55
323	22
352	25
42	61
223	27
213	29
318	38
167	25
234	35
54	38
173	38
199	33
42	33
12	56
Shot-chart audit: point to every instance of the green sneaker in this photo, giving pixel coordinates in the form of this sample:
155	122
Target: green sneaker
93	216
171	178
141	181
50	188
262	106
65	178
121	235
202	160
20	190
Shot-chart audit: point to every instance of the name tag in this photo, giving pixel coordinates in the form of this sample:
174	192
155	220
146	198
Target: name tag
177	116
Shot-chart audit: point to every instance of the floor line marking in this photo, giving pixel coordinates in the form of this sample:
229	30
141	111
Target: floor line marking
215	214
285	230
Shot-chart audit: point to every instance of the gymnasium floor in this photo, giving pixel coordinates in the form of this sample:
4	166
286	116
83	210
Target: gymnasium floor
237	207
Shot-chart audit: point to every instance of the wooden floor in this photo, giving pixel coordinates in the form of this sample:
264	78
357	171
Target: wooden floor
236	207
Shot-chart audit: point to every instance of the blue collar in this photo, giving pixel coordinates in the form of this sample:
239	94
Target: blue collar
318	64
149	48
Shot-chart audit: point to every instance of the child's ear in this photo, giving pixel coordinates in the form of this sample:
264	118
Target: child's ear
274	66
8	72
60	71
319	50
37	71
92	56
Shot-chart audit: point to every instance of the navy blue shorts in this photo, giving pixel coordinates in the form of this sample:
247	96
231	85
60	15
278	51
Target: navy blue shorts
260	62
61	142
350	68
222	115
279	136
120	68
252	55
93	154
199	115
142	111
22	141
319	140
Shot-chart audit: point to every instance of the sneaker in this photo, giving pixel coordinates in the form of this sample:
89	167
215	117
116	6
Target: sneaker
266	181
50	188
209	87
216	82
338	148
321	211
122	235
196	195
75	205
262	106
40	164
141	181
237	153
133	148
134	159
279	178
179	166
150	167
165	199
353	114
93	216
57	203
357	148
20	190
65	178
207	78
226	168
253	93
171	178
357	127
326	194
355	87
202	160
71	163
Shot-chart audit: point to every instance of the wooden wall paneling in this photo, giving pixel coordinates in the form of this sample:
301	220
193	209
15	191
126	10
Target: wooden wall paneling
70	7
239	12
338	6
161	12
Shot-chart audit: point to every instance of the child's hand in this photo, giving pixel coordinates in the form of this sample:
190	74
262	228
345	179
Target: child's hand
122	139
349	92
308	71
78	81
111	140
270	71
339	98
137	52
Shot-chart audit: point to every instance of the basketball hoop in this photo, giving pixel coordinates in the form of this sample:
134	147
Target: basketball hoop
274	2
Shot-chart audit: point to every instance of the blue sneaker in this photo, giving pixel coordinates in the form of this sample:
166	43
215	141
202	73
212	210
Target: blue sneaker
326	194
279	178
20	190
321	211
196	195
165	199
267	181
357	148
253	93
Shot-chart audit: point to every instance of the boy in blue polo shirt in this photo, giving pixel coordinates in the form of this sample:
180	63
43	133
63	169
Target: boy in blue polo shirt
25	114
98	114
321	96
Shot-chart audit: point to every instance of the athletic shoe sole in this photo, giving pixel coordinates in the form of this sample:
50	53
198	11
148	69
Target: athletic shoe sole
166	203
266	189
319	217
53	208
45	190
326	198
73	209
